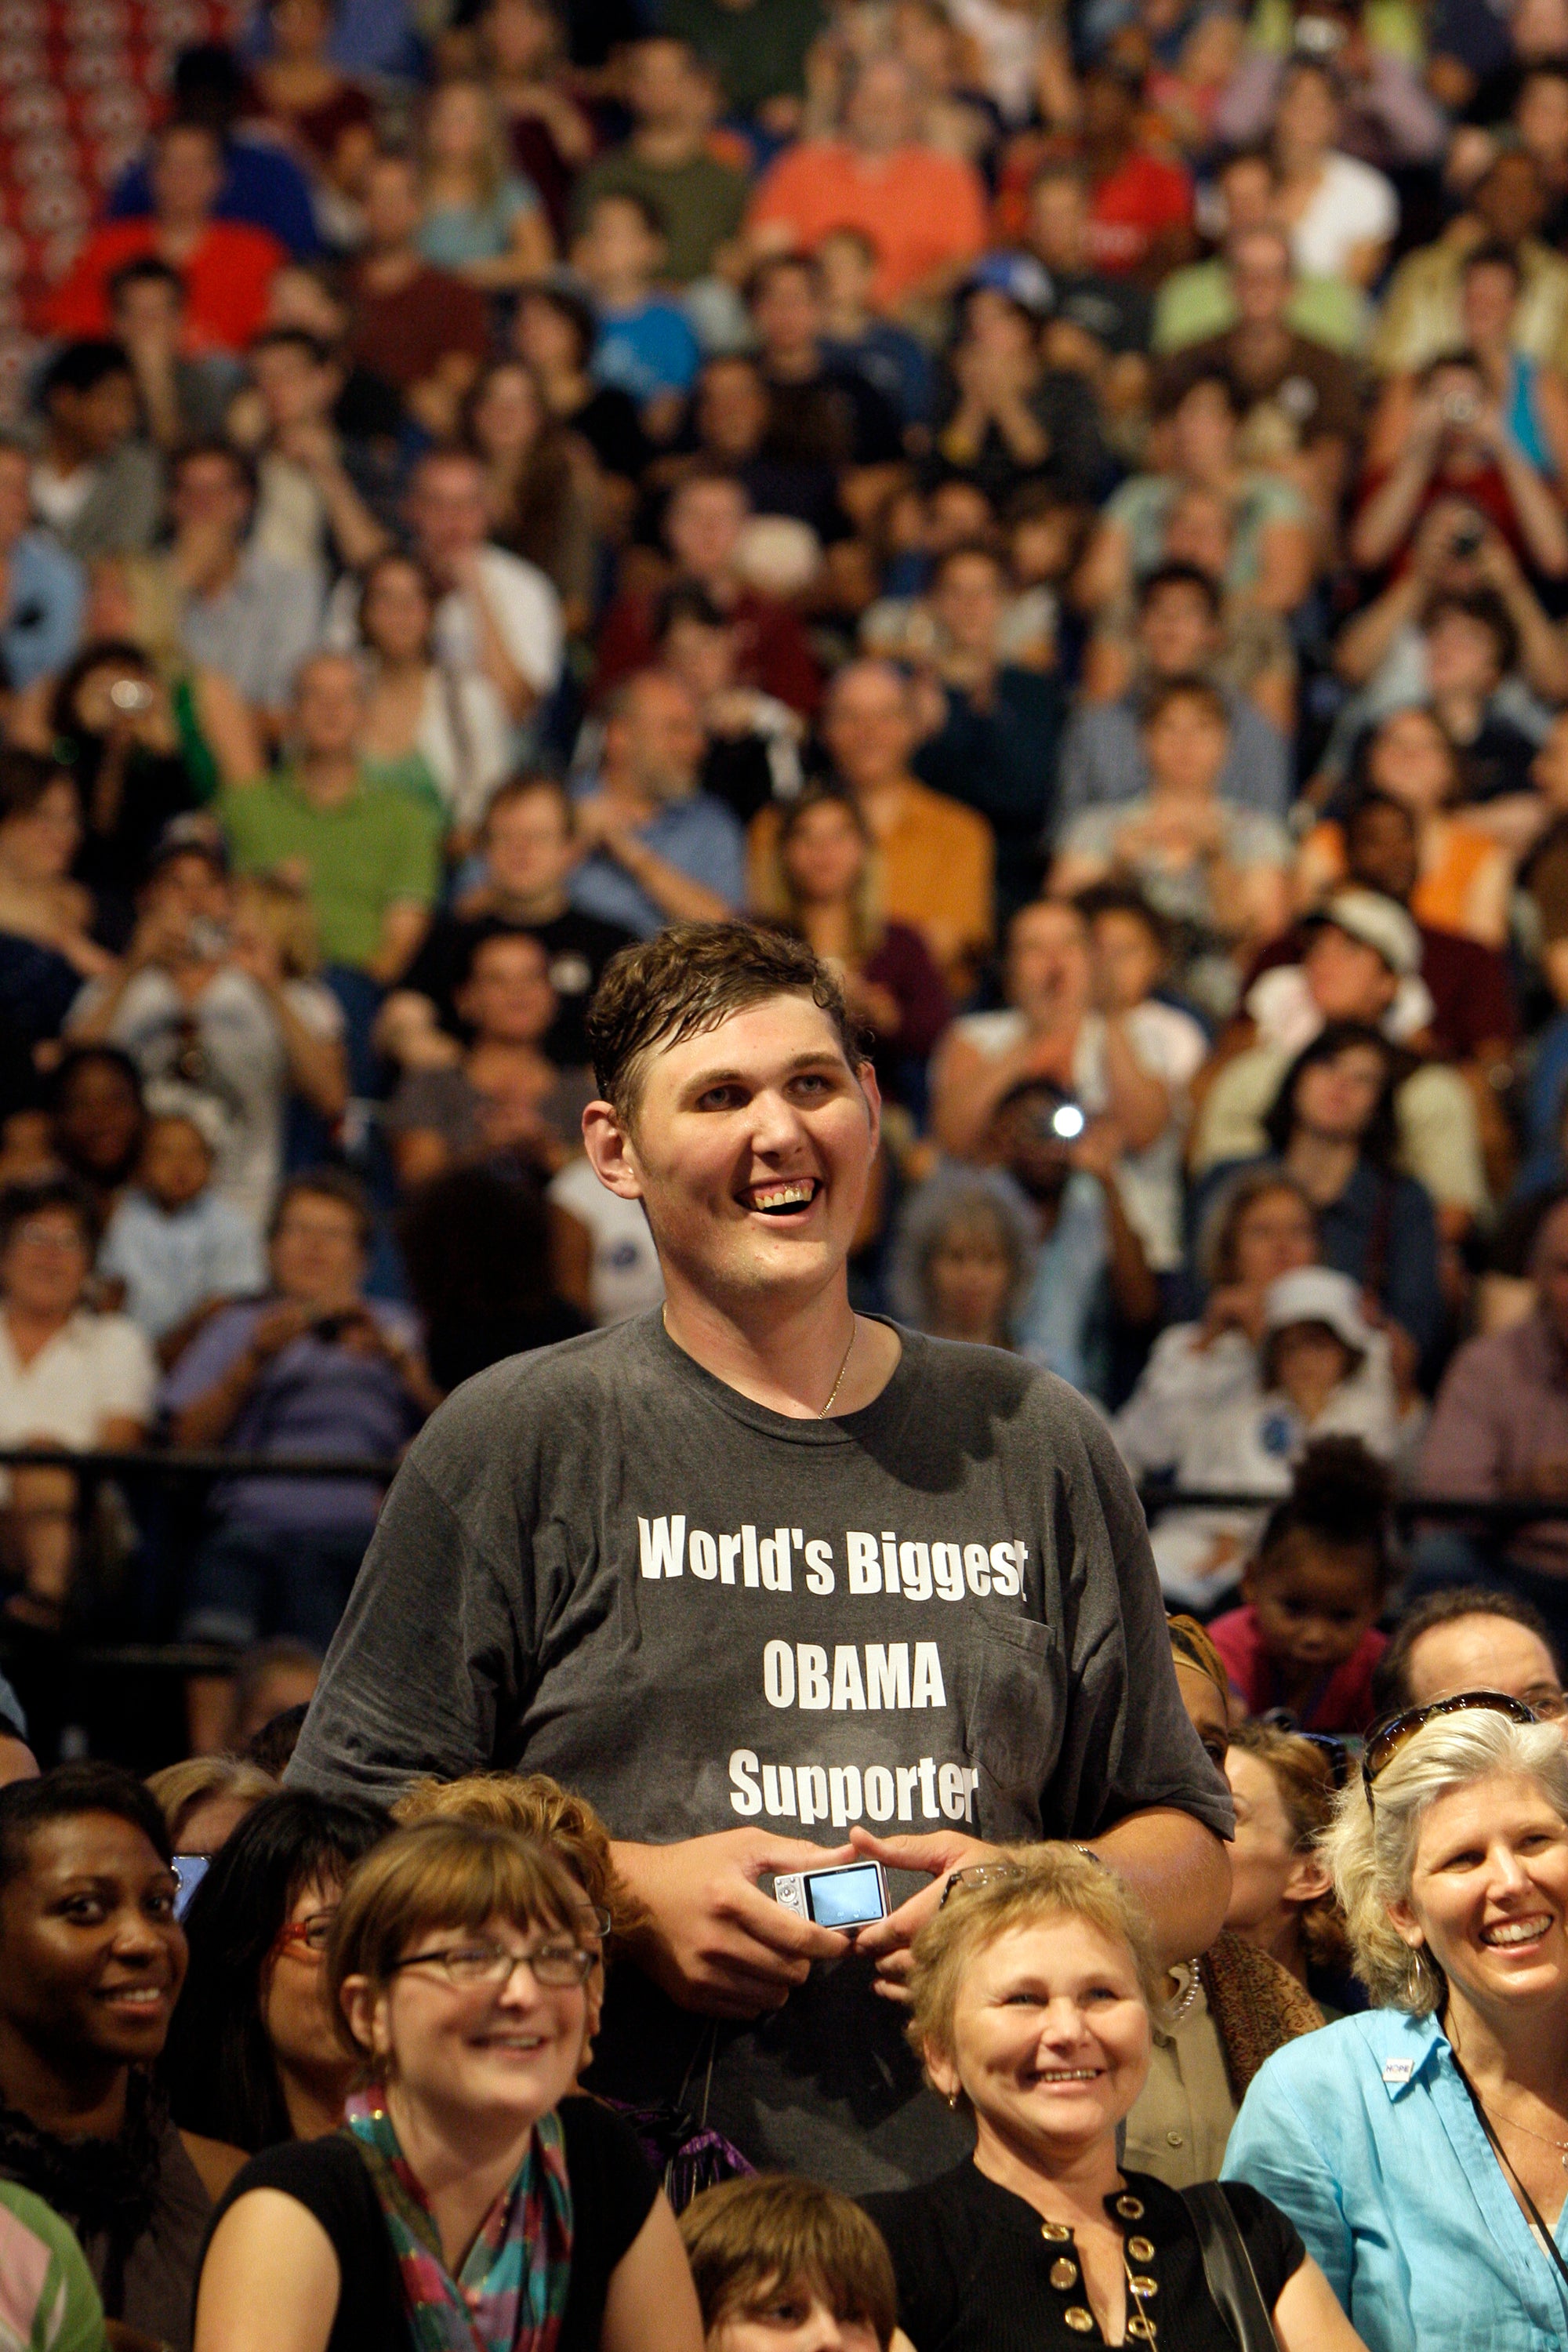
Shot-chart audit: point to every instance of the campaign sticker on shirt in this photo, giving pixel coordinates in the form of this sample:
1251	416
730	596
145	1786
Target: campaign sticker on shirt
1398	2070
1278	1435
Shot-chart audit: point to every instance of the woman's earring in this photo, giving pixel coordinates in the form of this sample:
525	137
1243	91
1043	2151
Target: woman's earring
952	2098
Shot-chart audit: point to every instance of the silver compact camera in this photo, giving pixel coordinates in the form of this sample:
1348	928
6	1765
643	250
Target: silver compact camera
849	1895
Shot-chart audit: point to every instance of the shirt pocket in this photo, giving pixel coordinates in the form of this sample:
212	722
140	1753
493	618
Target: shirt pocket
1013	1717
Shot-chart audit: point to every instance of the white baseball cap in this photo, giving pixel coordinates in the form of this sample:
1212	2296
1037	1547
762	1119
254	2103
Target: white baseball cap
1315	1293
1379	923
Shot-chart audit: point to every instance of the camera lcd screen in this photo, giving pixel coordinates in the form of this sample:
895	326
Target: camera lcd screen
845	1898
190	1869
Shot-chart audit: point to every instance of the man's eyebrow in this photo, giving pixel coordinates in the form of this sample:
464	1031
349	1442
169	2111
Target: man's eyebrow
702	1079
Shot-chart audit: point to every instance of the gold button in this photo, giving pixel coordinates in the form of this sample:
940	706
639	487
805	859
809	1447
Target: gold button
1131	2208
1143	2287
1081	2322
1057	2231
1172	2139
1063	2274
1140	2250
1143	2330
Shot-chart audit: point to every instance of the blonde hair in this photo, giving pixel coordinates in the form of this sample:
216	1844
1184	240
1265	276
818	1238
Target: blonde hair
1054	1881
179	1788
284	912
440	1874
1371	1848
532	1805
1304	1782
490	166
746	2238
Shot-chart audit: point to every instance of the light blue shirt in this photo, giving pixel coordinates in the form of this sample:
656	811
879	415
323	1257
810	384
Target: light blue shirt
43	623
171	1265
1056	1324
698	836
1364	2135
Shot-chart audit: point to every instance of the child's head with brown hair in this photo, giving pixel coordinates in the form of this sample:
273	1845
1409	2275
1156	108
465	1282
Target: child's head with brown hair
766	2253
1321	1570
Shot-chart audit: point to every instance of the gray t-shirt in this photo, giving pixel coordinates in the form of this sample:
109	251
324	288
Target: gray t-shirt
600	1562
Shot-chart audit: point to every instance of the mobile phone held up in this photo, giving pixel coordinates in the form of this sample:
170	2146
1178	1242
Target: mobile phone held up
849	1895
190	1869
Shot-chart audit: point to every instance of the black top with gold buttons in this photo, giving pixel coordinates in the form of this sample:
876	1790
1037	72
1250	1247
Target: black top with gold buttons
979	2272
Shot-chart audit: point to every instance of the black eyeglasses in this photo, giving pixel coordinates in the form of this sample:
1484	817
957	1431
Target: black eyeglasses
1389	1738
467	1966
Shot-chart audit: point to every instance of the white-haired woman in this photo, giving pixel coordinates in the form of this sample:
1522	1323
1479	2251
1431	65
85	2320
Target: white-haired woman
963	1257
1422	2149
1033	1993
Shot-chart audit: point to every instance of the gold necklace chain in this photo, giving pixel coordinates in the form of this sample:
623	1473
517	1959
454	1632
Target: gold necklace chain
1544	2138
843	1367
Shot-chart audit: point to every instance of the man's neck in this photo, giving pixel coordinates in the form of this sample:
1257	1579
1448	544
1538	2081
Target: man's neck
328	781
178	239
800	365
623	293
666	145
63	456
1260	344
882	803
845	323
527	906
784	1353
391	269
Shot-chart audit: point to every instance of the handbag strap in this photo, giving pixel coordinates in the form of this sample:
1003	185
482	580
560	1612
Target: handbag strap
1227	2266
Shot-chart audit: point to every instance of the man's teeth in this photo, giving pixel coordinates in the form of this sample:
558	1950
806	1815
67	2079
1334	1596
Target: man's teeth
1517	1931
783	1196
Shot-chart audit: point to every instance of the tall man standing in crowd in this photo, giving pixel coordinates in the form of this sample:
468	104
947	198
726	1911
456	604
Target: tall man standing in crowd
763	1571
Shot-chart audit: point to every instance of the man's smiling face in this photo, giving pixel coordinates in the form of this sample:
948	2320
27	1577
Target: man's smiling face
752	1148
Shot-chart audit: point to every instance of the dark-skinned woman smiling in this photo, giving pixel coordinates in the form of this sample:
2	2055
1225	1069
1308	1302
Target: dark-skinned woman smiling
91	1962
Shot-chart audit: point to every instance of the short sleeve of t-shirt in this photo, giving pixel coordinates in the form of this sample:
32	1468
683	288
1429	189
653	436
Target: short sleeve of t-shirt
124	1374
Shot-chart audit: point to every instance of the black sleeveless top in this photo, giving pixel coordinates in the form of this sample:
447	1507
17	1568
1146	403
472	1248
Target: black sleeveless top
612	2192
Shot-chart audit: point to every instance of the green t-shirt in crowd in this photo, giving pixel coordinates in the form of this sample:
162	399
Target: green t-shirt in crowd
48	2299
379	846
700	203
758	50
1195	303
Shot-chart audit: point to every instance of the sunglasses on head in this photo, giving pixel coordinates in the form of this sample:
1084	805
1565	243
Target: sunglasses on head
1385	1742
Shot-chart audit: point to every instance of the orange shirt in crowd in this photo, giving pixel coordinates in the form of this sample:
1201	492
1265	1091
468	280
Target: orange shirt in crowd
924	211
227	281
1464	883
936	869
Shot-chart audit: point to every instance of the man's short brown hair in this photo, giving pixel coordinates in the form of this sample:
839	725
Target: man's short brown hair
747	2238
687	980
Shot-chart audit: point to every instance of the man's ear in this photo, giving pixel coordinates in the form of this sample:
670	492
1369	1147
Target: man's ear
611	1152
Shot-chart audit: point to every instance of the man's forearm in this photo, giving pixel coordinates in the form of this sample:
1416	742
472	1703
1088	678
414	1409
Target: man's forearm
1180	1872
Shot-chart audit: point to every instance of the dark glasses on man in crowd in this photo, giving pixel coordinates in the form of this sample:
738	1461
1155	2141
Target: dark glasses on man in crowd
1385	1742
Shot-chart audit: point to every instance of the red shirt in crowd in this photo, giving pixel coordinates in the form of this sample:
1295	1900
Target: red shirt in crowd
227	281
400	337
1341	1700
772	652
1128	211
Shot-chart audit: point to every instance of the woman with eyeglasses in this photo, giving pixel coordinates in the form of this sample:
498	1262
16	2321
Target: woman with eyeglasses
253	2056
1226	2011
1422	2149
1032	1996
468	2204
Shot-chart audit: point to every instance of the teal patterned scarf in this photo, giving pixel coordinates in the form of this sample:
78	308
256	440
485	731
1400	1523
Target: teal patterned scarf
511	2293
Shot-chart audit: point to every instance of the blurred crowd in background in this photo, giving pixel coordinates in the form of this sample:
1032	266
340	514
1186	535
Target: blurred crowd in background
1064	509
